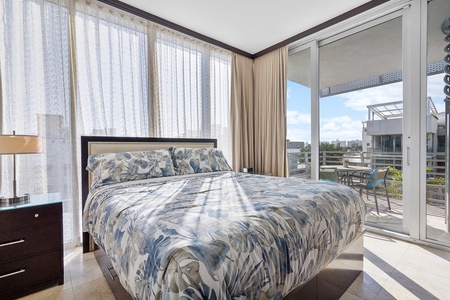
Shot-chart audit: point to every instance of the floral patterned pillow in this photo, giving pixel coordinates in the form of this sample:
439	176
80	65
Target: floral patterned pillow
108	168
198	160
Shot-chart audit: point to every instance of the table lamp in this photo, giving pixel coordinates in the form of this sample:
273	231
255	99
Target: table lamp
18	144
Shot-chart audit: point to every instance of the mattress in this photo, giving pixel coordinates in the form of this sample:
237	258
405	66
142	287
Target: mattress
221	235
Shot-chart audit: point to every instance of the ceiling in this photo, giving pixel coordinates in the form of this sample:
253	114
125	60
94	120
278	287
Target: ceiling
249	25
255	25
370	54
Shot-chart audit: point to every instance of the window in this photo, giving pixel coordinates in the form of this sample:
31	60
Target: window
112	73
192	89
111	87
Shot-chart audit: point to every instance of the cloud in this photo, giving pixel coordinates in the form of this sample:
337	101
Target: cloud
342	119
301	135
359	100
288	92
435	90
440	107
343	128
295	117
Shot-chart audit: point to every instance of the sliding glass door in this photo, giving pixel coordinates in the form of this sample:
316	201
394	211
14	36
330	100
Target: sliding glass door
361	112
299	113
436	202
376	99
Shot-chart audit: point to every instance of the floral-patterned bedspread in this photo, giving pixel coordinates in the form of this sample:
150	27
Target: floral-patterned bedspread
221	235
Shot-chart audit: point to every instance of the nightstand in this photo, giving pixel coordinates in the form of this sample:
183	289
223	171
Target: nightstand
31	246
247	170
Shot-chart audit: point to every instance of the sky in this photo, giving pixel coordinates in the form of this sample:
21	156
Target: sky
341	115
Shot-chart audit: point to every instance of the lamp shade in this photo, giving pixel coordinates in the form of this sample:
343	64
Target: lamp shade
20	144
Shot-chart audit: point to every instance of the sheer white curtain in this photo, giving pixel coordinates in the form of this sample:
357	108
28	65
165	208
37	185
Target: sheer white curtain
191	88
220	89
76	67
35	99
111	70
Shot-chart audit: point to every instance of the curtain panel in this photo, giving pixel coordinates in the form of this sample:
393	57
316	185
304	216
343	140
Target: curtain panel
242	113
191	83
76	67
112	80
35	73
270	92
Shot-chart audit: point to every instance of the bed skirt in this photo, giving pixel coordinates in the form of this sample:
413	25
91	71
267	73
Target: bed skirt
330	283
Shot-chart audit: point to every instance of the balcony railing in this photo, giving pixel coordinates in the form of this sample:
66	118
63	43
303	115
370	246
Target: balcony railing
300	166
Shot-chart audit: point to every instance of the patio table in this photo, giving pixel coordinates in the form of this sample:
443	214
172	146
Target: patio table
345	178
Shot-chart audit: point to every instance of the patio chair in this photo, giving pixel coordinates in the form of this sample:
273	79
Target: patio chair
329	175
373	182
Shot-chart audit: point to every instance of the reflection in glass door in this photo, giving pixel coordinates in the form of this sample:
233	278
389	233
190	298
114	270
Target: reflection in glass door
361	111
299	113
436	207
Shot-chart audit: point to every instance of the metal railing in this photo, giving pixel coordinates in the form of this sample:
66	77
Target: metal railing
300	166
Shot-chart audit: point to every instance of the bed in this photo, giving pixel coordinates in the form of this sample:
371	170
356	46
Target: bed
206	232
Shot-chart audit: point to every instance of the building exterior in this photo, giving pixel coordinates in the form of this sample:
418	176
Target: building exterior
339	143
350	144
295	144
383	130
354	143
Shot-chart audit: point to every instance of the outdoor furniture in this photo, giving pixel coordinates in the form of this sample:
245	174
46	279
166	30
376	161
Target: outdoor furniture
373	182
343	173
329	174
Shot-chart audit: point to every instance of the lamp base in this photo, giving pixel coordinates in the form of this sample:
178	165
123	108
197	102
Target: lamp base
5	201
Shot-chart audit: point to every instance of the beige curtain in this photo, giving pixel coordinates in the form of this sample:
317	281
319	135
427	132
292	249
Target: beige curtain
270	90
242	120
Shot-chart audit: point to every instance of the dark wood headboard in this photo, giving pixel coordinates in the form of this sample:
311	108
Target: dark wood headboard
106	144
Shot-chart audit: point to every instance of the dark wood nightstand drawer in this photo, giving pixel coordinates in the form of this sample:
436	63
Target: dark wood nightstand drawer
31	246
29	216
30	240
26	274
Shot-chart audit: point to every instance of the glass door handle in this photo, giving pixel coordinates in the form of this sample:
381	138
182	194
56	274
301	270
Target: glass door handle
407	155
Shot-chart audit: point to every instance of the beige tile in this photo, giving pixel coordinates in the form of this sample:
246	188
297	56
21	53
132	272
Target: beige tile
393	269
396	290
82	272
77	255
378	268
97	289
384	251
426	259
422	280
403	295
53	293
367	286
67	278
349	296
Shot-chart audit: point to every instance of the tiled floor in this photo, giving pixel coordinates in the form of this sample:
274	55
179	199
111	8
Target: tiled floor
83	280
396	269
393	269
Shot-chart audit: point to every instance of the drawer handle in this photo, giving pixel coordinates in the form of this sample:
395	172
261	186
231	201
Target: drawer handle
113	277
12	243
12	274
36	215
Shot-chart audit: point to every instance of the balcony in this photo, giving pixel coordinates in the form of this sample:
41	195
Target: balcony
299	166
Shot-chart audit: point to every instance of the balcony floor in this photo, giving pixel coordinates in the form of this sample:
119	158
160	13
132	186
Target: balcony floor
393	220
